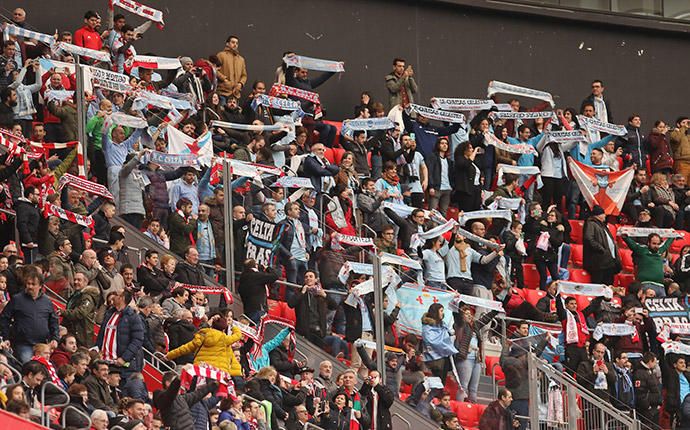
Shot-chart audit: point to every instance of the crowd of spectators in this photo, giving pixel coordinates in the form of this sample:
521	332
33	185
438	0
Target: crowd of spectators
79	310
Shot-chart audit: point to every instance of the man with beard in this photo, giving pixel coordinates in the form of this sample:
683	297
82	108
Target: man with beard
8	100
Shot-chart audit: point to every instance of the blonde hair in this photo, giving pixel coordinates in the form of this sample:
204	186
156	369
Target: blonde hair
267	372
657	177
40	347
166	258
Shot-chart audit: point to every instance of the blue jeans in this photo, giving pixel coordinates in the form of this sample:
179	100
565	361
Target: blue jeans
256	316
23	353
521	407
294	272
469	371
337	345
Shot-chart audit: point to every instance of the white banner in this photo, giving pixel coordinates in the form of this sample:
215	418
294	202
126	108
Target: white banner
418	239
578	288
387	258
505	214
250	127
611	329
301	61
293	182
665	233
106	79
522	115
672	347
478	302
438	115
595	124
454	104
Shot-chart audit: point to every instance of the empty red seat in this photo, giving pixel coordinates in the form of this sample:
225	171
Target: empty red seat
580	275
533	296
627	260
623	280
497	371
678	244
531	275
576	230
329	155
468	414
338	155
576	254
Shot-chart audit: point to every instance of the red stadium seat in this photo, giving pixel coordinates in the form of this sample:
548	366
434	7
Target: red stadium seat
583	301
533	296
468	414
576	254
338	155
329	155
531	275
497	371
678	244
627	260
673	258
580	275
623	280
576	231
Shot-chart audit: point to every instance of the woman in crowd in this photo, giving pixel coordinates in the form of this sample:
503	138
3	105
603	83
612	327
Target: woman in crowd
341	213
348	175
660	155
440	167
438	347
549	239
470	356
664	205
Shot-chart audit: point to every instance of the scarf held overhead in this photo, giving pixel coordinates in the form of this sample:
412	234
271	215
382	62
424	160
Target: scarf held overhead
84	185
13	30
438	115
454	104
496	87
139	9
522	148
293	60
595	124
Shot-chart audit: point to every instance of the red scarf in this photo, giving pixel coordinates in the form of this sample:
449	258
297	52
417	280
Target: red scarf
51	369
186	221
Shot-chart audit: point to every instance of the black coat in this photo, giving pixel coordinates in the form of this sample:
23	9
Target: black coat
555	241
280	359
252	288
152	280
28	218
464	173
407	228
188	274
596	254
314	170
179	333
385	401
607	102
301	303
353	318
433	165
175	408
647	393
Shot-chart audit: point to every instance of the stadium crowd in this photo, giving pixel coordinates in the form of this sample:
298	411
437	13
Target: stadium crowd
453	204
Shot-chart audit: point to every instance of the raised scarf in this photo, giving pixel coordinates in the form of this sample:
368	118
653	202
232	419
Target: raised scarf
613	329
281	89
605	127
496	87
226	387
293	60
82	52
84	185
143	11
521	148
13	30
455	104
438	115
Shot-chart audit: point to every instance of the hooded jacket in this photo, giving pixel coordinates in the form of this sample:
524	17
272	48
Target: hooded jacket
212	347
436	340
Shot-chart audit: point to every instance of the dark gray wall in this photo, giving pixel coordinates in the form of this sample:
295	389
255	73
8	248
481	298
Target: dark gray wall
455	50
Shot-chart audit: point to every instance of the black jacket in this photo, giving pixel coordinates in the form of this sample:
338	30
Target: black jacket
280	359
607	102
152	280
302	304
28	218
26	321
309	84
433	165
175	408
179	333
596	253
188	274
464	172
252	288
385	401
647	393
315	170
353	318
407	228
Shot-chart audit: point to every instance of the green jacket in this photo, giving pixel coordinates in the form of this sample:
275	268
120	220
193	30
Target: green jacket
80	313
650	265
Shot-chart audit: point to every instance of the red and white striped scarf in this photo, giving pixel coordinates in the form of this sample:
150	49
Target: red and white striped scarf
51	369
280	89
109	348
50	209
84	185
210	290
226	386
47	147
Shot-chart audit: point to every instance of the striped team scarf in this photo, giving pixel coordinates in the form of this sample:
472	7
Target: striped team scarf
82	52
13	30
261	334
300	61
368	124
564	136
606	127
665	233
672	347
143	11
522	148
611	329
522	115
250	127
474	238
144	98
338	239
121	118
454	104
281	90
275	103
418	239
46	147
59	95
210	290
496	87
50	209
226	386
50	368
438	115
84	185
505	214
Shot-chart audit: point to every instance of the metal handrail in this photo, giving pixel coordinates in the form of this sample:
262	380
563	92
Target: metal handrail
401	418
376	235
64	416
43	401
306	359
155	358
14	371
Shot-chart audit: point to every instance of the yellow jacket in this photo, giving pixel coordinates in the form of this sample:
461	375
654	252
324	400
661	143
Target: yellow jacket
232	70
212	347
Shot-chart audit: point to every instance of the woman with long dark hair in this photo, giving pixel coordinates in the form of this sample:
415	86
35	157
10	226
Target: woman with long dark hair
546	246
439	164
438	347
468	195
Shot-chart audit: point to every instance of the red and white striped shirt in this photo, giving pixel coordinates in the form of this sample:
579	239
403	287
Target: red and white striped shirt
110	337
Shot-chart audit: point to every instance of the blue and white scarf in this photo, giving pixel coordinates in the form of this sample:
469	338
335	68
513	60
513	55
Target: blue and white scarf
13	30
438	115
368	124
496	87
249	127
454	104
303	62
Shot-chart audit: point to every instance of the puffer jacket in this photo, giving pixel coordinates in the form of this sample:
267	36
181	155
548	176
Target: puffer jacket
436	340
212	347
157	190
131	197
463	334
